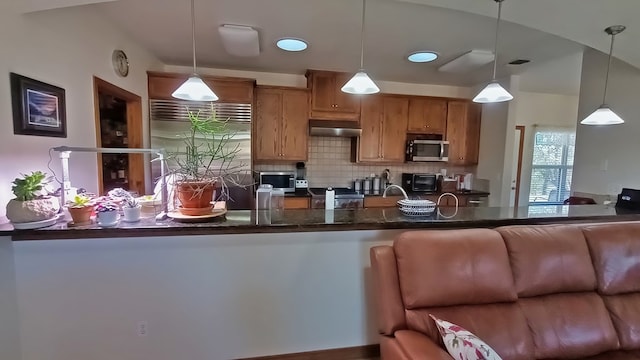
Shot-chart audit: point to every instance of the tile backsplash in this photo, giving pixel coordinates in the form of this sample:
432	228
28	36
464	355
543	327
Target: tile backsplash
330	164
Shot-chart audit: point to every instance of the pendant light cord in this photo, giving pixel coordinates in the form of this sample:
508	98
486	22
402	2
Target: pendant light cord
193	34
495	52
364	6
606	80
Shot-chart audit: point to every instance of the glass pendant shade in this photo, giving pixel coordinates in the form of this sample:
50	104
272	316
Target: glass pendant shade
194	89
360	84
493	93
602	116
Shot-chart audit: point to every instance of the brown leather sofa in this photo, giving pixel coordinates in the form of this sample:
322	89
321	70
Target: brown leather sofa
530	292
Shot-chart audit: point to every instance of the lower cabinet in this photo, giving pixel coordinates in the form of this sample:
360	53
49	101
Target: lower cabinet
296	202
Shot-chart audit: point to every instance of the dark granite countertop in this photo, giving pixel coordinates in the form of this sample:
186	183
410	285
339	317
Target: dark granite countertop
395	192
244	221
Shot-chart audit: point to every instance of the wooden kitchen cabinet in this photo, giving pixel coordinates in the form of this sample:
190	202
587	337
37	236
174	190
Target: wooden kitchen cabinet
427	116
229	90
328	102
463	132
384	124
281	124
296	202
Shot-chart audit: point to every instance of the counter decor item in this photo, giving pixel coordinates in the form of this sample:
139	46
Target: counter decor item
131	208
107	214
205	164
32	207
80	209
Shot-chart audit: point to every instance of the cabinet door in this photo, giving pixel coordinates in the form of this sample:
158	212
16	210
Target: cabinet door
295	125
394	134
346	103
296	202
427	116
322	91
457	131
369	142
267	124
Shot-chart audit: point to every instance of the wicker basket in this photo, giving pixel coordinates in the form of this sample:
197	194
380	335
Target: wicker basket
416	207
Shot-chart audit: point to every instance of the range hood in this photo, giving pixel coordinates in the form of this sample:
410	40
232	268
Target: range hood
338	128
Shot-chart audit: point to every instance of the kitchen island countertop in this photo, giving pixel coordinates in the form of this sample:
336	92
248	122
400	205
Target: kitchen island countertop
244	222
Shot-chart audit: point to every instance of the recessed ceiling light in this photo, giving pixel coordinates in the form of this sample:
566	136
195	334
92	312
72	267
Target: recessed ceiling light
422	57
291	44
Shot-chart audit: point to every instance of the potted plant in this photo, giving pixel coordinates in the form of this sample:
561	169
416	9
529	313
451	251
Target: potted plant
205	163
32	202
130	206
107	213
80	209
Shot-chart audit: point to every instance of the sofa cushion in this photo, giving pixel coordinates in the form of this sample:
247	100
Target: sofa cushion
453	267
502	326
615	249
614	355
567	326
549	259
462	344
625	314
414	345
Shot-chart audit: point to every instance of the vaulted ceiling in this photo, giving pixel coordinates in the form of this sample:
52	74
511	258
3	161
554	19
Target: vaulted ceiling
544	31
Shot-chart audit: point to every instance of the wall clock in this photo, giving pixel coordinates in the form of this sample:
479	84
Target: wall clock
120	62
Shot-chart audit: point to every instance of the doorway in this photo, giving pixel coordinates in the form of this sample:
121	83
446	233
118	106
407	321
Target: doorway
516	169
118	116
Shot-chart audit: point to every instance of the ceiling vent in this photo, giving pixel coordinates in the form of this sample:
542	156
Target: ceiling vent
240	40
468	62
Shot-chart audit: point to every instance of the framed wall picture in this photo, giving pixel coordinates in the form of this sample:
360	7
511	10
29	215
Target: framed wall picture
38	108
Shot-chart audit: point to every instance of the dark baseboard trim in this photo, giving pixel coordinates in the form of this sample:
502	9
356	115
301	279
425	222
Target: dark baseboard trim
350	353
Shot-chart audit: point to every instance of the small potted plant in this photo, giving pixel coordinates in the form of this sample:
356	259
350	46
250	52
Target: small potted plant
107	213
130	206
80	209
32	202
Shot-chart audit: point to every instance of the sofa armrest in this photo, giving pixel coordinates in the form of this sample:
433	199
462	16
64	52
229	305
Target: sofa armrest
418	346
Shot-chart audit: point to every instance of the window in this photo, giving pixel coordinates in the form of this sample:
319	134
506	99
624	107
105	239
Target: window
552	166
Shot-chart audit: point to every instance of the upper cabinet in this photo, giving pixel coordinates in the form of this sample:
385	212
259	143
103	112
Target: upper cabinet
229	90
281	124
463	132
427	116
328	102
384	124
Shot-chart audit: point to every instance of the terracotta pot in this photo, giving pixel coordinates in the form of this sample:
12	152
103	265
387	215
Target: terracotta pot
81	215
195	195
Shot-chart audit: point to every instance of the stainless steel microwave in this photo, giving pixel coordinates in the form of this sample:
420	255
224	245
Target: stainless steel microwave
281	180
427	150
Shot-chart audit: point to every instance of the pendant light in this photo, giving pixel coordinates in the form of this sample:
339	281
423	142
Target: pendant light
604	115
361	83
494	92
194	89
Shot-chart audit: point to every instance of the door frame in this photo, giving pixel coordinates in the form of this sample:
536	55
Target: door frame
134	131
519	171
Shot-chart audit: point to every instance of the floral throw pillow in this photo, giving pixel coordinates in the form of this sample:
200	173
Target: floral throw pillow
462	344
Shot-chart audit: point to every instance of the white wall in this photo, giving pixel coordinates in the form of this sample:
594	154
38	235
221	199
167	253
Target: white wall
496	142
544	110
9	323
204	297
65	48
607	157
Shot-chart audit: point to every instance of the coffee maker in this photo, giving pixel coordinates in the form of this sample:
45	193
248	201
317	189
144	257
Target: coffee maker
301	177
